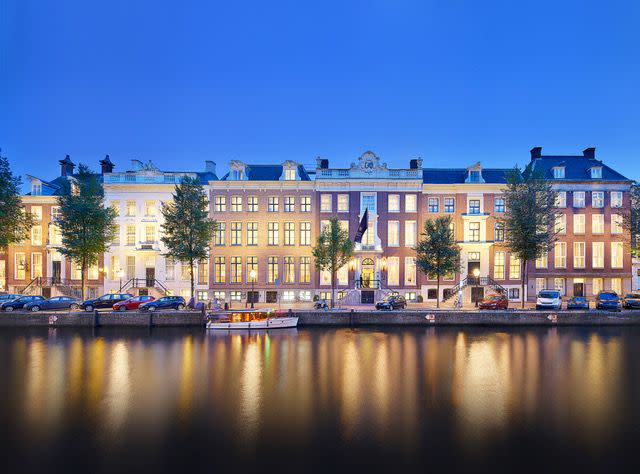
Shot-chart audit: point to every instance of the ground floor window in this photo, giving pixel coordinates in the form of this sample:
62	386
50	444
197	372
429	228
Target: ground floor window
541	284
558	284
219	295
410	296
202	295
272	296
597	286
288	295
305	295
616	285
447	293
514	293
235	295
325	295
432	294
341	294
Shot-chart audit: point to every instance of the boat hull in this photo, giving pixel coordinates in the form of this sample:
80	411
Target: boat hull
269	323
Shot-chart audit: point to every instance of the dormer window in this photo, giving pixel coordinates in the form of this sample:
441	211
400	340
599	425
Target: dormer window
558	172
237	174
237	171
596	172
289	171
36	188
474	174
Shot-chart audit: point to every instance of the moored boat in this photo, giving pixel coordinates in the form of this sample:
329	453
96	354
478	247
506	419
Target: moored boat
250	319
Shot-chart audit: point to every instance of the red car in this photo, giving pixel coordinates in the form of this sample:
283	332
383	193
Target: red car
494	302
132	303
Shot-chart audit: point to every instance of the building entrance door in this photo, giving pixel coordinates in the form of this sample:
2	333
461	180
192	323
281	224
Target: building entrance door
56	271
578	289
368	273
151	277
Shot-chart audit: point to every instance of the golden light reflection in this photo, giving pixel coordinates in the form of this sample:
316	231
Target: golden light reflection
118	387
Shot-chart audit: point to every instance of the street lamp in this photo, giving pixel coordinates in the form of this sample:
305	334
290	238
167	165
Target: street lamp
120	274
476	274
252	276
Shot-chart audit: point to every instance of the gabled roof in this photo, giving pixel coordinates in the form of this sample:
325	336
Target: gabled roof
576	168
458	175
268	173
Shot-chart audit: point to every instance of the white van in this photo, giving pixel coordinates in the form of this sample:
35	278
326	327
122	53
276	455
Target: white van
549	299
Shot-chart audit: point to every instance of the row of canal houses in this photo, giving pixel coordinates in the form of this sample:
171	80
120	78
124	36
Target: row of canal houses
270	215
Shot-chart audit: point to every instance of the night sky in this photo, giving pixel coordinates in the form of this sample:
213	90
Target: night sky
450	81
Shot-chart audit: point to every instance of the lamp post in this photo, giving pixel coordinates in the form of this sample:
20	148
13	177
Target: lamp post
252	275
476	274
120	274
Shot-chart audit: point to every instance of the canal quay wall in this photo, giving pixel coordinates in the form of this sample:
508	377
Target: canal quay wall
351	318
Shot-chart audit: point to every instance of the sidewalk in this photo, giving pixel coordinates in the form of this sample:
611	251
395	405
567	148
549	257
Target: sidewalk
427	306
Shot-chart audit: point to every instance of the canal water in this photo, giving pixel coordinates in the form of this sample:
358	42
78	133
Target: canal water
318	400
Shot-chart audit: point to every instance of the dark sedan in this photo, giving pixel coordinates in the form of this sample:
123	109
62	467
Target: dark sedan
166	302
57	302
9	297
631	301
392	302
105	301
19	303
608	300
578	302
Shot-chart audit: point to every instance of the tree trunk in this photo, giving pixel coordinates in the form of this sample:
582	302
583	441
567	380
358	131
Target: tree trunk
438	290
83	269
191	274
523	270
333	287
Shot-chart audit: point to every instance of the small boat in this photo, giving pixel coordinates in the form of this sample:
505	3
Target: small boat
251	319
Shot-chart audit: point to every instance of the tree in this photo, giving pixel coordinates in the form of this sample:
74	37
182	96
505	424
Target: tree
529	218
15	223
86	226
332	251
187	229
631	219
437	251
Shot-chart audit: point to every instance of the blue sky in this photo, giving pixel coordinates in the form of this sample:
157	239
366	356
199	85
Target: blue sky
453	82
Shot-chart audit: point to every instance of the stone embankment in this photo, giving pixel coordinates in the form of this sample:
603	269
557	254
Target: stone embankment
330	318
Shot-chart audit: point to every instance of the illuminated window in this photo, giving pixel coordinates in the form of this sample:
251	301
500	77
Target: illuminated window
394	202
236	233
252	204
578	255
325	203
272	233
289	233
474	232
597	251
578	199
289	204
616	199
514	267
410	229
131	208
616	255
272	269
578	224
273	204
597	224
220	203
393	233
597	199
498	265
36	235
409	271
252	233
561	199
305	269
219	235
149	208
236	269
290	174
305	204
560	226
305	233
236	203
289	270
410	203
131	234
219	274
616	224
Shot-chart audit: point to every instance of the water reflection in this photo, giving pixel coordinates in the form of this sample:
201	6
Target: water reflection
394	390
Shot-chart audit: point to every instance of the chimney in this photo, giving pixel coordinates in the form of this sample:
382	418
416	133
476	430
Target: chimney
536	152
106	165
210	166
322	163
66	166
589	153
415	164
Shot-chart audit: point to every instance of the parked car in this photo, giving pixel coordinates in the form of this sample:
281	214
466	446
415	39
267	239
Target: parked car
608	300
631	301
132	303
19	302
321	304
166	302
9	297
57	302
549	299
392	302
578	302
494	302
105	301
